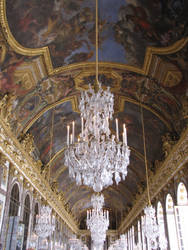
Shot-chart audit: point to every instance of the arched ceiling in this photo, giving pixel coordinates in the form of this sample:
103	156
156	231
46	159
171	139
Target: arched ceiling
48	56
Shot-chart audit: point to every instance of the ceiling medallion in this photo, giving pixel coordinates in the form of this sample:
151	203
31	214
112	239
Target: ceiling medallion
98	221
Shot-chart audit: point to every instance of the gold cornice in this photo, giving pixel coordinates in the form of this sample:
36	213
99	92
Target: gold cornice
44	52
72	99
13	150
175	161
127	99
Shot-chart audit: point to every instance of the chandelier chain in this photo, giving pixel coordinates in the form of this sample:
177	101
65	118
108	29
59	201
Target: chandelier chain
145	155
96	44
51	143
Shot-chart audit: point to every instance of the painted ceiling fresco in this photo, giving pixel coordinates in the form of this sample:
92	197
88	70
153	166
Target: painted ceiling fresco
47	101
126	27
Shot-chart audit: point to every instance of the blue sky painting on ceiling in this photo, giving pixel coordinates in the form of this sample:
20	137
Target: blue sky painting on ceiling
126	27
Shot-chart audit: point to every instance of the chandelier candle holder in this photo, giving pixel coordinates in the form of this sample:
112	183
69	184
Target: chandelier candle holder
45	222
98	156
98	221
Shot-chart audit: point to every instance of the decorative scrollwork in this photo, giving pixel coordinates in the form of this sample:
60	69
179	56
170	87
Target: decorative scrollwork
6	105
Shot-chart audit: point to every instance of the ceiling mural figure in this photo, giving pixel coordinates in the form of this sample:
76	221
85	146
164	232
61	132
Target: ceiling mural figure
126	28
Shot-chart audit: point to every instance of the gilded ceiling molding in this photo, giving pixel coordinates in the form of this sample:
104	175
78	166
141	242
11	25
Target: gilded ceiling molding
72	99
23	162
18	48
55	156
59	172
162	51
123	99
174	162
79	78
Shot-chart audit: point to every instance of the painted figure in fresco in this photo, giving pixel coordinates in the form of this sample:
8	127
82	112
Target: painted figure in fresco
141	22
7	84
155	23
63	25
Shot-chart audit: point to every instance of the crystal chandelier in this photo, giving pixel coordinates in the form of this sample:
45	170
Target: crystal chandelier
98	156
98	221
45	222
150	227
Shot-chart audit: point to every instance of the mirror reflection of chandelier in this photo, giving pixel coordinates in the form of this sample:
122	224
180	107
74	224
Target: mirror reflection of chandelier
97	221
45	222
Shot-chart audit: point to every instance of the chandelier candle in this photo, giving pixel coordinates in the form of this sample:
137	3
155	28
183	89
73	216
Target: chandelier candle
117	130
68	131
73	132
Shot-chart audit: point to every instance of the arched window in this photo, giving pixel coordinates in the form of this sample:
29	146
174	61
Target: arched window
14	201
26	217
181	212
172	232
36	212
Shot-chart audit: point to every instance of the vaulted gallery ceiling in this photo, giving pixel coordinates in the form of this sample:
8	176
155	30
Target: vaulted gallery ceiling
48	57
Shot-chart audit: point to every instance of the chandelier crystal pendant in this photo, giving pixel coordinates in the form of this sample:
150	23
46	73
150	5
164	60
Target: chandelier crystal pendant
98	221
45	222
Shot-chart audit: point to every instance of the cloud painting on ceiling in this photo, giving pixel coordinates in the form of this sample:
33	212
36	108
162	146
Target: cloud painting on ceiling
126	27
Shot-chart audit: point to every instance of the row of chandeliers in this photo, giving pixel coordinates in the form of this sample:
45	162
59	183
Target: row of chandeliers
97	158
